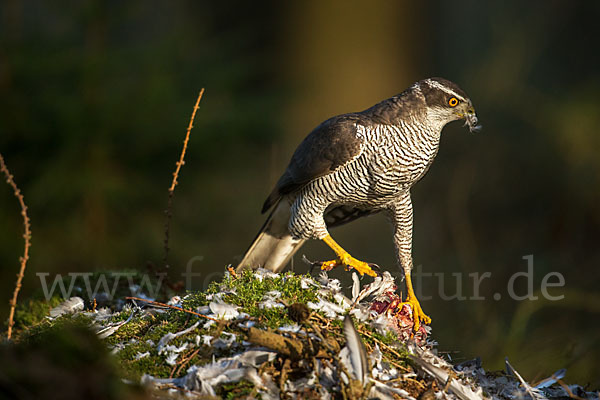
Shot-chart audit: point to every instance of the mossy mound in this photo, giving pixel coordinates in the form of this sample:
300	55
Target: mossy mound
257	335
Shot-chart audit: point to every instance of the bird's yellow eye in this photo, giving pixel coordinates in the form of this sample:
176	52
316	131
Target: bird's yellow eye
453	102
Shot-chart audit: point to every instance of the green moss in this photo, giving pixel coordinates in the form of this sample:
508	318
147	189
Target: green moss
143	332
33	311
247	292
47	326
152	364
389	338
238	390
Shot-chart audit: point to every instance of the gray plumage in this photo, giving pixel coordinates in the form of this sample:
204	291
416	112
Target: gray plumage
359	365
357	164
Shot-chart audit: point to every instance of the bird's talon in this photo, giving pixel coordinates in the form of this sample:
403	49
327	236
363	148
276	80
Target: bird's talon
418	315
329	265
360	266
349	263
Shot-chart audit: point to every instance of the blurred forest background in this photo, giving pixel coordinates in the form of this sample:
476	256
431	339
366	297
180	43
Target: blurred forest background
95	97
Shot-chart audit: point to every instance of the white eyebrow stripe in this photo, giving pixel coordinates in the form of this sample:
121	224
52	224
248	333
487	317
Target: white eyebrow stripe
438	85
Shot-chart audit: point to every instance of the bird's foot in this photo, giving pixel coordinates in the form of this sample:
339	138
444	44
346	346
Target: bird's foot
417	312
346	259
349	263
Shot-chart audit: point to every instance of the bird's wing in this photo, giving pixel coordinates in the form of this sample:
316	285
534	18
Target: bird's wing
330	145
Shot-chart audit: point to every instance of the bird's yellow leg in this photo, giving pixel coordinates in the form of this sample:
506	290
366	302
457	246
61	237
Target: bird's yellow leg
411	299
344	258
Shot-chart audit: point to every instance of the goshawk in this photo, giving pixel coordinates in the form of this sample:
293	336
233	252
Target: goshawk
358	164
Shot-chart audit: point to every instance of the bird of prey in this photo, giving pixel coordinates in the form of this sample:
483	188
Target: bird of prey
358	164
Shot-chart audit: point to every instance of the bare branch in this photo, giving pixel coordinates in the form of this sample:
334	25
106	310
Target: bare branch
178	164
26	236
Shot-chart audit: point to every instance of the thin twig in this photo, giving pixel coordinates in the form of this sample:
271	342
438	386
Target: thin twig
185	142
383	345
26	236
284	374
178	164
182	363
156	303
568	390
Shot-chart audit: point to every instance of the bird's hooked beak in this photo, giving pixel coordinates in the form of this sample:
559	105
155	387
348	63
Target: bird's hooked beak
471	119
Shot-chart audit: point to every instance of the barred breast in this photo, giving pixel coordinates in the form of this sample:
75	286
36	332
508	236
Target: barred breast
393	158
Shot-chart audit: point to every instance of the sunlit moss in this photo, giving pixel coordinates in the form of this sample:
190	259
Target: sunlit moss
134	344
238	390
32	311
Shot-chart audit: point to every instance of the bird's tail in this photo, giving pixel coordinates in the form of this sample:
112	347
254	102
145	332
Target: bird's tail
274	246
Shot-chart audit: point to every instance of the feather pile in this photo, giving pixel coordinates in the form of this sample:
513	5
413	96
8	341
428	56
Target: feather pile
330	350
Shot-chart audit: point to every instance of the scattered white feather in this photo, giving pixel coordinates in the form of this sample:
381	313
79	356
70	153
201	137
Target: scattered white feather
267	304
334	285
381	285
438	369
384	392
69	306
247	324
290	328
272	295
162	343
381	324
174	301
101	314
380	370
330	309
361	313
109	329
359	365
307	283
533	392
172	352
203	309
323	278
206	339
224	310
342	300
116	348
262	273
204	379
552	379
269	300
226	340
355	287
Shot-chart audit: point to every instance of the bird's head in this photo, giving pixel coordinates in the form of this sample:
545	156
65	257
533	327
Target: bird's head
446	102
